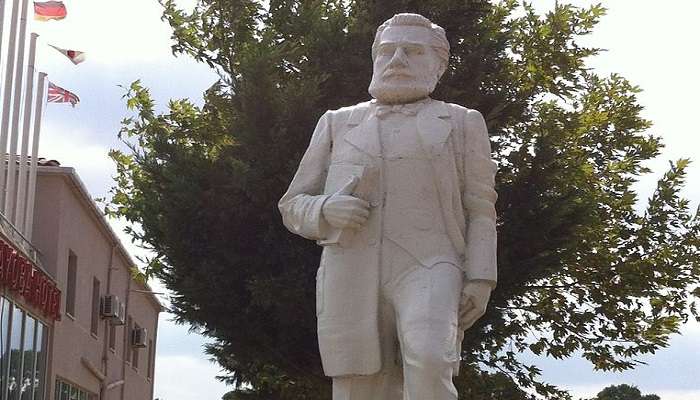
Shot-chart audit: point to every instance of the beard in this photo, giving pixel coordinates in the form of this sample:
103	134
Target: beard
400	92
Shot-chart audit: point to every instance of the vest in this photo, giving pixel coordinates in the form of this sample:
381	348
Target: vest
411	213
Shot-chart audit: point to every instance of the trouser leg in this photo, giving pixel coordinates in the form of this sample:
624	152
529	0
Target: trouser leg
385	385
388	383
427	304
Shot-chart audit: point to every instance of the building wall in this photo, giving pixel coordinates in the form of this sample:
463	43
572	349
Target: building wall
120	284
121	361
73	341
49	200
65	223
139	379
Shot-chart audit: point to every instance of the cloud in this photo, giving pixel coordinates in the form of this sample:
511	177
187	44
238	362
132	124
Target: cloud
187	378
129	32
120	34
88	158
678	394
177	340
589	391
669	369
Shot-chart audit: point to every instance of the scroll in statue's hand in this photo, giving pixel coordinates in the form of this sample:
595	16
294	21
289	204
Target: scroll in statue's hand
475	298
342	210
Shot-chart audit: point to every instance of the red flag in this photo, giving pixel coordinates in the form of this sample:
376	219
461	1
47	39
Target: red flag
48	10
75	56
58	94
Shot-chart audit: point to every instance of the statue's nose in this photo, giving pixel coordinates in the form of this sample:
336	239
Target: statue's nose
399	58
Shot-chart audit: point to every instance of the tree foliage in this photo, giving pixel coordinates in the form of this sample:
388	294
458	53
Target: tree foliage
581	270
623	392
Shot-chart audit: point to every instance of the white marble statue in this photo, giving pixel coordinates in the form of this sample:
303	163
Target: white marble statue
400	192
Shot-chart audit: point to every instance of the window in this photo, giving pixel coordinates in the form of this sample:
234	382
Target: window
70	286
4	346
135	356
62	391
151	351
42	333
129	332
112	336
15	366
25	391
95	318
67	391
23	351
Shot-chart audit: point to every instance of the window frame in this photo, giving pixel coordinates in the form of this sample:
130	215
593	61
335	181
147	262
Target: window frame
80	392
33	338
95	317
127	347
134	349
71	283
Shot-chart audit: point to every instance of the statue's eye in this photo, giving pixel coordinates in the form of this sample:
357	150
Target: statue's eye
386	50
415	50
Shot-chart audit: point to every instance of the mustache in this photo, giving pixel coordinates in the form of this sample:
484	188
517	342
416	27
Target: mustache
398	72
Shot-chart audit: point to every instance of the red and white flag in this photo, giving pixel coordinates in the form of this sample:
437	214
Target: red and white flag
58	94
75	56
48	10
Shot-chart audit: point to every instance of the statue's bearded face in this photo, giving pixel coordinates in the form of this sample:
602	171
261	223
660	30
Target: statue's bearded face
406	67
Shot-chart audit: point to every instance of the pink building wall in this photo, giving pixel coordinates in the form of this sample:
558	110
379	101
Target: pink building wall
66	220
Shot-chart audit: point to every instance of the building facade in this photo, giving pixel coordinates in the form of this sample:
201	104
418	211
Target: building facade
75	323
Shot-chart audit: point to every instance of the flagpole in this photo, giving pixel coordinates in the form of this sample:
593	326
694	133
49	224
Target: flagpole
16	112
19	220
7	99
2	31
2	49
2	24
38	114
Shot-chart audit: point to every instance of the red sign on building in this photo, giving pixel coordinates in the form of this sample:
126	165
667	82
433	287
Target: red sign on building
20	275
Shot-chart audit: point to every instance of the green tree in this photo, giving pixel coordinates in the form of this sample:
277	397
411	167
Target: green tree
623	392
580	271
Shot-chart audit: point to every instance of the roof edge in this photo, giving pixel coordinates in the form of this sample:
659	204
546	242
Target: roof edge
80	187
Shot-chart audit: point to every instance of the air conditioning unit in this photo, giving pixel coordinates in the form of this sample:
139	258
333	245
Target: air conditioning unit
110	306
138	337
121	315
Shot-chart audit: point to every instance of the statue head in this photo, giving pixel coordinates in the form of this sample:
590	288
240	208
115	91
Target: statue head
410	54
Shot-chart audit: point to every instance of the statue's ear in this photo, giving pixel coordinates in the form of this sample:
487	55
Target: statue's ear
441	70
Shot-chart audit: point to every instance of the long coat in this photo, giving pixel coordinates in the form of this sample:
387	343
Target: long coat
457	143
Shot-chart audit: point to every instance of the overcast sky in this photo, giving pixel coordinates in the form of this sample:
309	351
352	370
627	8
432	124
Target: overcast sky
654	46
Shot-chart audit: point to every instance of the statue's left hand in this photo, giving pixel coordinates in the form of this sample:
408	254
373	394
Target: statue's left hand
475	298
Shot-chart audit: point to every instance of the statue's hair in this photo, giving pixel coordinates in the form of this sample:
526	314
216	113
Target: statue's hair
438	42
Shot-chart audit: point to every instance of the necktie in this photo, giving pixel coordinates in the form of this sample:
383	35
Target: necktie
406	109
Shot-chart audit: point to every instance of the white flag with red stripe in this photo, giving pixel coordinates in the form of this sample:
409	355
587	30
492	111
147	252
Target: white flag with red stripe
58	94
49	10
75	56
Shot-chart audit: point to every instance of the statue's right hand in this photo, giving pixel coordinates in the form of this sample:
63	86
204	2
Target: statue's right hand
342	210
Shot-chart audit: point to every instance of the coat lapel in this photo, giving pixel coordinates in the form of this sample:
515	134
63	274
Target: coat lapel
363	131
434	127
432	123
